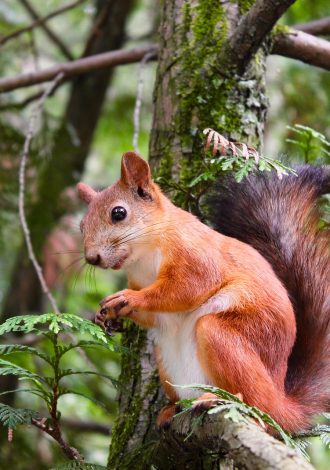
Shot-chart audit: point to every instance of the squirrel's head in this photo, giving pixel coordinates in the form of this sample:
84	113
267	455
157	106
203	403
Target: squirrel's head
121	221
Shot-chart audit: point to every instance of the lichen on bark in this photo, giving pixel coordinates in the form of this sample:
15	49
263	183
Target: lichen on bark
196	88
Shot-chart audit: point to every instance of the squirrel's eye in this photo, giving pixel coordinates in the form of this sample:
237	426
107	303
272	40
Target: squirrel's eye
118	213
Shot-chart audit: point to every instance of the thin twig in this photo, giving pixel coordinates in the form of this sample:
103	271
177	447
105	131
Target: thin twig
138	102
40	21
320	27
48	31
30	134
56	434
77	67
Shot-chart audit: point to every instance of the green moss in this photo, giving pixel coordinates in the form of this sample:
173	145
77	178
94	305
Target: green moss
124	428
281	29
207	96
244	5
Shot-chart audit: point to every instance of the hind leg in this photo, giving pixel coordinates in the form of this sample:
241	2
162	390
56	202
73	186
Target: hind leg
230	362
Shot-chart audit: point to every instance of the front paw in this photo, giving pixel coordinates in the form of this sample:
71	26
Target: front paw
117	305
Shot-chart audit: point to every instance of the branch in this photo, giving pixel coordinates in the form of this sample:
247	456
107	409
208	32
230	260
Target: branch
252	30
77	67
49	32
86	426
39	22
247	444
22	217
319	27
56	434
302	46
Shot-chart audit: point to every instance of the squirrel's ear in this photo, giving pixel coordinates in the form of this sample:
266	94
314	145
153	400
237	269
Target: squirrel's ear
85	192
135	171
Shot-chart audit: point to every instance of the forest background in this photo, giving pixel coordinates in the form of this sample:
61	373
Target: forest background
112	118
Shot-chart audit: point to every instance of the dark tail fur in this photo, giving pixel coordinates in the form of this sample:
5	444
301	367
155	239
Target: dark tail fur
280	218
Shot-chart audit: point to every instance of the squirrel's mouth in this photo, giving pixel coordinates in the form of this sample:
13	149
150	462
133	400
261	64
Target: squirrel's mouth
118	264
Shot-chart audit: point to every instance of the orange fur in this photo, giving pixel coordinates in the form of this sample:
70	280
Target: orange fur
244	325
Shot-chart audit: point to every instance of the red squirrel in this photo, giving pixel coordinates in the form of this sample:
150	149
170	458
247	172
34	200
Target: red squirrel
225	306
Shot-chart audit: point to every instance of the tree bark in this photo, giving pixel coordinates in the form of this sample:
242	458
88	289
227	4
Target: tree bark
195	88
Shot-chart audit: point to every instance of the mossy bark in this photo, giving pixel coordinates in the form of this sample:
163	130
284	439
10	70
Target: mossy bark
195	88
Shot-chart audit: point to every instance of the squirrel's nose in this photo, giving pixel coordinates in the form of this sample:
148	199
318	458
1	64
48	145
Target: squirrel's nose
93	258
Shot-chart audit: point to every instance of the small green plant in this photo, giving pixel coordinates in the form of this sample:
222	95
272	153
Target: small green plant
221	157
238	411
314	146
54	329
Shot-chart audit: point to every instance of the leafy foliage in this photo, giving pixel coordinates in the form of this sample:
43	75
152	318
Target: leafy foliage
313	145
237	410
12	417
238	158
48	387
220	157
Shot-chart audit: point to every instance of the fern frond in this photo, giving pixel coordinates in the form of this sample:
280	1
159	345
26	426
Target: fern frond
9	368
66	372
64	391
325	438
12	417
238	410
91	344
65	322
19	348
237	157
39	393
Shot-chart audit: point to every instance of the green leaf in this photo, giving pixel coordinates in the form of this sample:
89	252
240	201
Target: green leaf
325	438
64	391
242	408
18	348
57	323
66	372
12	417
39	393
92	344
8	368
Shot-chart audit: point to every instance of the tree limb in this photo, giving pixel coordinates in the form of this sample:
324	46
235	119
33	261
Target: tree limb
302	46
77	67
246	444
49	32
319	27
85	426
252	30
40	21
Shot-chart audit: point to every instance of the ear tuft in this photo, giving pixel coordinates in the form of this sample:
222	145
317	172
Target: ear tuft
135	171
85	192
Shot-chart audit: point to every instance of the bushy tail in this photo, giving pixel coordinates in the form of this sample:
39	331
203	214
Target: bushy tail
281	219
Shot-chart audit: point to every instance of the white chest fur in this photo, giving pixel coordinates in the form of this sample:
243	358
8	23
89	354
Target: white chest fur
175	337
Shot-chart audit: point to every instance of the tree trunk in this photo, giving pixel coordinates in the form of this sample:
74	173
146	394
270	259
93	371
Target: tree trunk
195	88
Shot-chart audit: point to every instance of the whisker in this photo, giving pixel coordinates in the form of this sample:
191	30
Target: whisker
77	275
129	228
133	236
142	229
66	252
